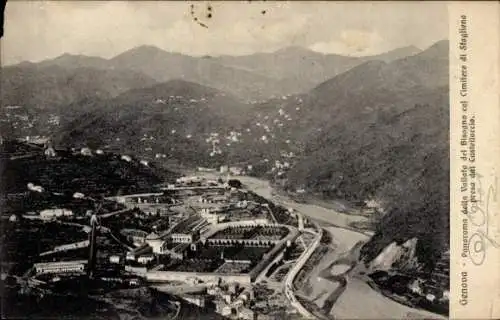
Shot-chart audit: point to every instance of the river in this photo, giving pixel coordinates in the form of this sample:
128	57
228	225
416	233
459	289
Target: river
318	213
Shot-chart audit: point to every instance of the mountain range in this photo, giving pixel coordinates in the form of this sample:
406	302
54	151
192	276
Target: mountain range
251	77
372	128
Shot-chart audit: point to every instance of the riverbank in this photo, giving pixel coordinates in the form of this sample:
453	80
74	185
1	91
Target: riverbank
324	216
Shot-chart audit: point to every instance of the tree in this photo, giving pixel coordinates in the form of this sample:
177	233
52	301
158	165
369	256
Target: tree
234	183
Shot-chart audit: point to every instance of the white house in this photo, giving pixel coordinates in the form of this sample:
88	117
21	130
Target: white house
446	295
224	169
415	286
54	213
242	204
86	152
50	152
236	171
145	259
126	158
155	242
78	195
35	188
114	259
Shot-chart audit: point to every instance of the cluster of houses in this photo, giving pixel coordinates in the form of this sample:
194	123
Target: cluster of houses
49	214
189	180
50	152
436	289
35	188
173	244
233	301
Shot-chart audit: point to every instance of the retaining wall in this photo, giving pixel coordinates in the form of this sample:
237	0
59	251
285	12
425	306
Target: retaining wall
205	277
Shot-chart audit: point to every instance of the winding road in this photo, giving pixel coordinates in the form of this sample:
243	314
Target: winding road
290	277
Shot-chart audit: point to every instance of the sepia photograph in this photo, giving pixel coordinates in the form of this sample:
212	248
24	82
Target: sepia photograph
225	160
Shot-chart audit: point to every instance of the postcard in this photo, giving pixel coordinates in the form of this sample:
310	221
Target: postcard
250	160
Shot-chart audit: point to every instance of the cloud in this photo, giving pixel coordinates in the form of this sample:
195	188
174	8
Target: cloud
37	30
352	42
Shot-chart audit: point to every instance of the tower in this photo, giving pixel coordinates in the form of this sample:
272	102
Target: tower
49	150
301	222
93	246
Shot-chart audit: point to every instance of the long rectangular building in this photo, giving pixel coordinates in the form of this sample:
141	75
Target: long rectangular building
60	266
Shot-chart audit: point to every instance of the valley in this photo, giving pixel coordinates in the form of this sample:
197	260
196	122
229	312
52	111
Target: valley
357	146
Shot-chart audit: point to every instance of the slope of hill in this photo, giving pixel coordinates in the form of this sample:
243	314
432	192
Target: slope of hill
73	61
301	68
384	136
172	120
257	76
69	173
119	304
165	66
373	99
396	54
51	86
376	132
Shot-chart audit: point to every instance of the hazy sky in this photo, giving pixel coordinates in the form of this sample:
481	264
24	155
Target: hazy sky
38	30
